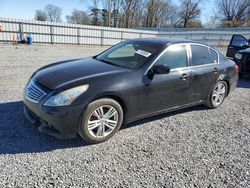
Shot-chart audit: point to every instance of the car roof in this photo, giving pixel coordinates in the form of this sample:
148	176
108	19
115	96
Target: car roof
166	41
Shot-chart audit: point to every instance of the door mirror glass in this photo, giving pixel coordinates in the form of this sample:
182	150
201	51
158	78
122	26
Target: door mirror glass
161	69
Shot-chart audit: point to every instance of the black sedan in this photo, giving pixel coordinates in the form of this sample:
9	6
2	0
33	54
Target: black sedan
135	79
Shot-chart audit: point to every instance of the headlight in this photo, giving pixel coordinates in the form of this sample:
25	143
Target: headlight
238	56
66	97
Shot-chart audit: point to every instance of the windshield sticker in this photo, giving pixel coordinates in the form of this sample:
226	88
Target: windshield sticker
143	53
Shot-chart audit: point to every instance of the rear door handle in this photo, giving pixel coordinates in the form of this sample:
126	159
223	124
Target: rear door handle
215	70
231	47
184	76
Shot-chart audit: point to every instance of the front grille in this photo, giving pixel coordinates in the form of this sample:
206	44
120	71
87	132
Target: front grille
33	92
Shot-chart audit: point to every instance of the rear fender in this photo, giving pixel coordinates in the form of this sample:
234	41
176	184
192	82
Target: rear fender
222	77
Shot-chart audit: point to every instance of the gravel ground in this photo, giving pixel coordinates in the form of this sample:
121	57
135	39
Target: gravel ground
195	147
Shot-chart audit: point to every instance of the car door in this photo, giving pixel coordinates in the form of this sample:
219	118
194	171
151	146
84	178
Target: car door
238	42
205	71
164	91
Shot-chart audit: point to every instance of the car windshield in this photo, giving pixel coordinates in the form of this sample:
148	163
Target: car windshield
130	54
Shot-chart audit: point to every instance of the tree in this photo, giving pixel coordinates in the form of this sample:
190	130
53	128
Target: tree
105	17
213	20
115	12
189	10
114	18
194	24
41	15
78	17
159	12
130	9
173	19
143	13
234	12
95	16
53	12
107	4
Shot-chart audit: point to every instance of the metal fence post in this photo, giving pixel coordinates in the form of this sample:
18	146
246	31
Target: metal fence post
122	35
78	35
20	31
52	35
102	37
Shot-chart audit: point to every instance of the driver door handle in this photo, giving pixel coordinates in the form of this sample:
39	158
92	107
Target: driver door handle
184	76
215	70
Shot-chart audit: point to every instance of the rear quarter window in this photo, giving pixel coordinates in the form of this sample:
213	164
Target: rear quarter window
213	56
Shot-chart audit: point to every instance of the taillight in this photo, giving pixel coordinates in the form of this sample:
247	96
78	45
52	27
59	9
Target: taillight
237	68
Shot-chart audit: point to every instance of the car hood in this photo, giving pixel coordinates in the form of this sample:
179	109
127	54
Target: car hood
62	73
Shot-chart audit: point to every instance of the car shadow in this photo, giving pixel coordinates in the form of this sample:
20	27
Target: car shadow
17	135
244	82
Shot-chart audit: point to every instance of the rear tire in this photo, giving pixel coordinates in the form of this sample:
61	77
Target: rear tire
101	120
218	95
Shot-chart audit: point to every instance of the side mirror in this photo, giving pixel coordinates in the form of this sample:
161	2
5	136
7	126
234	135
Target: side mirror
160	69
245	45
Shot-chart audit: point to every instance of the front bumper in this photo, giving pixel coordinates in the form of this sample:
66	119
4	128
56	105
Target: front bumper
60	122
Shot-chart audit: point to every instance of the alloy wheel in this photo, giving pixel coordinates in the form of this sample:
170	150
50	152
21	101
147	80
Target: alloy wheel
219	93
103	121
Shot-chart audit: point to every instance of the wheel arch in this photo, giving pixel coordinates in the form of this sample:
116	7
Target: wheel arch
115	97
228	86
221	78
225	79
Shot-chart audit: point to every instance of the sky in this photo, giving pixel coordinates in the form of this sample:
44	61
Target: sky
25	9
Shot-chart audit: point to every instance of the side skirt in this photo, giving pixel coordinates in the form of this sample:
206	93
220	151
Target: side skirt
162	111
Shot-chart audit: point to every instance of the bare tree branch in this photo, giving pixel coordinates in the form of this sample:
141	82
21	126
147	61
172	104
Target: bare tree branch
234	11
41	15
78	17
189	10
53	12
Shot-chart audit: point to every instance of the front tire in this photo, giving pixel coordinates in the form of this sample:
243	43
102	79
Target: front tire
101	120
218	95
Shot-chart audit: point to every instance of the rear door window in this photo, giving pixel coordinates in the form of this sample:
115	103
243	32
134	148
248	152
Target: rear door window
200	55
